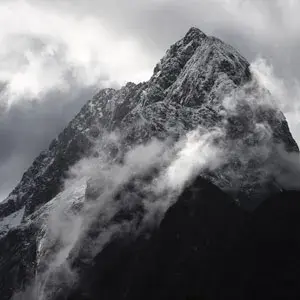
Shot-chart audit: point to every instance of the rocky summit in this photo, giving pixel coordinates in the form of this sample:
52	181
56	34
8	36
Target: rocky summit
225	229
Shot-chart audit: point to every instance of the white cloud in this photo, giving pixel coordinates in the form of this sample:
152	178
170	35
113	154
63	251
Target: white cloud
285	94
41	48
197	153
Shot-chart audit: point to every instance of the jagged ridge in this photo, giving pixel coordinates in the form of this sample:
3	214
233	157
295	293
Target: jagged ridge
186	90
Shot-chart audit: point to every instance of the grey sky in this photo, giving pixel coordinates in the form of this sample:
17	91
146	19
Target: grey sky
54	53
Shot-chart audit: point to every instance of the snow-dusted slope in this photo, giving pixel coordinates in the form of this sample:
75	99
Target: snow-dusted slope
201	81
186	89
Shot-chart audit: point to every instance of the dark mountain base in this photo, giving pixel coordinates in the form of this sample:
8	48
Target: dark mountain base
206	247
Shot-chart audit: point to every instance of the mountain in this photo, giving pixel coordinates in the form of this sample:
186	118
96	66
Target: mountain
205	248
124	237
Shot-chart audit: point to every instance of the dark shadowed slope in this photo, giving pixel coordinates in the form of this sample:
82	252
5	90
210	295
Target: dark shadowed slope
205	248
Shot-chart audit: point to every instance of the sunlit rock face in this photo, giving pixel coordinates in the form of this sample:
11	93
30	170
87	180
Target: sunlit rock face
201	85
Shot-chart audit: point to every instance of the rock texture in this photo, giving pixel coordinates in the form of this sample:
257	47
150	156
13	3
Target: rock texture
186	90
201	83
205	248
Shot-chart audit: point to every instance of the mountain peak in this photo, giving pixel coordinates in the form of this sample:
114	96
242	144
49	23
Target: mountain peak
186	91
194	33
177	56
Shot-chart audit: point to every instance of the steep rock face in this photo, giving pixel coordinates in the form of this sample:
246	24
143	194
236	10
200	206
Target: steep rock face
205	248
200	82
185	91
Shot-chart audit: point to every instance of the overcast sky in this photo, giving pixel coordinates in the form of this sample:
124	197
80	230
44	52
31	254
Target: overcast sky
54	54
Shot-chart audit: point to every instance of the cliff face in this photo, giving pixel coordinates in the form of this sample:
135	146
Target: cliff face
201	83
187	89
205	248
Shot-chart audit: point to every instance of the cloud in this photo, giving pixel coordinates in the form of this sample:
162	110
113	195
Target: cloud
285	93
253	26
42	48
197	153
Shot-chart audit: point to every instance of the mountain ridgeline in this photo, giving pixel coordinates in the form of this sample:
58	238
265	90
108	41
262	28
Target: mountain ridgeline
230	231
